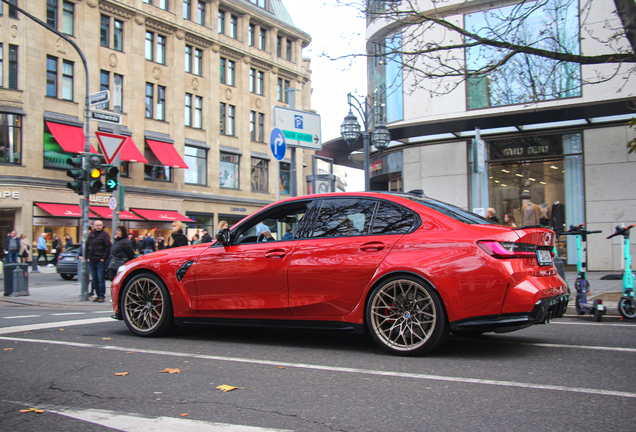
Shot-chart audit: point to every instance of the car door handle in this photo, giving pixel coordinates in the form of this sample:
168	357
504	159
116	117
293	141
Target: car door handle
372	246
275	254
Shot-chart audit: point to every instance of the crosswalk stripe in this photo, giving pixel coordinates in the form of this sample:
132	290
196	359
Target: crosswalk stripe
41	326
22	316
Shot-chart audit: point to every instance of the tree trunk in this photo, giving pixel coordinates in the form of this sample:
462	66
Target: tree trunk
626	10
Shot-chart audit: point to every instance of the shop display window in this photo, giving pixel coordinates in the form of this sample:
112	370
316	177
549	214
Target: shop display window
10	139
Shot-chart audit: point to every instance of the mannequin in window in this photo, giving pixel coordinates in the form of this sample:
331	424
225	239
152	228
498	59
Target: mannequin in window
530	214
544	219
558	217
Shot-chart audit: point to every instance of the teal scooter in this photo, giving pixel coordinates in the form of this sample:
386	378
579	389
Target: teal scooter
597	308
627	303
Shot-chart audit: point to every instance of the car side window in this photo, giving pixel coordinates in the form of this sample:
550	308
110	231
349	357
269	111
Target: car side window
392	219
346	217
277	224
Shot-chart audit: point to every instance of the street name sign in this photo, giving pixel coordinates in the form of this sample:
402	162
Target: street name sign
110	144
99	97
106	116
300	128
277	143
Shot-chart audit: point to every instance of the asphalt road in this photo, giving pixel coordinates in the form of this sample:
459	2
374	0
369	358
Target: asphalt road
572	374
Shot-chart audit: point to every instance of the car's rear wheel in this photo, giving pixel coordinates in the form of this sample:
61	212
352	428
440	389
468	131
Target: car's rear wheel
406	316
67	276
146	306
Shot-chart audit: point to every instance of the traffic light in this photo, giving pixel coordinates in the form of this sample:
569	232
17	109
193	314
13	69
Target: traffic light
77	173
94	175
112	181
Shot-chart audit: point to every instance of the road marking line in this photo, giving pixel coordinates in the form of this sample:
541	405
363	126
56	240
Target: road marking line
462	380
22	316
41	326
107	311
130	422
593	324
69	313
584	347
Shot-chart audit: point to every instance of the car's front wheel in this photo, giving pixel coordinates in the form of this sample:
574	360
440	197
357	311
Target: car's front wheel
146	306
406	317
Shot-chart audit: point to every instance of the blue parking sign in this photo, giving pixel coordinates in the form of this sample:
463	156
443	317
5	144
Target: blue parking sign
298	122
277	143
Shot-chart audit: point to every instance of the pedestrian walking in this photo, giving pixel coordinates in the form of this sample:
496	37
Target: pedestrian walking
148	244
69	241
161	243
492	215
97	251
177	238
206	236
24	249
56	248
42	250
121	252
12	246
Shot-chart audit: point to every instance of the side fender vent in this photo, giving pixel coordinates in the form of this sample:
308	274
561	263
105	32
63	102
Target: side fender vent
183	270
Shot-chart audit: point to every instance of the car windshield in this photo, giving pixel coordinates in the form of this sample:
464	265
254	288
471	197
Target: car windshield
72	248
450	210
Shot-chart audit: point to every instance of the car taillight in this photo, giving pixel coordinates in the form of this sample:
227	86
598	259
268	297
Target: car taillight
508	249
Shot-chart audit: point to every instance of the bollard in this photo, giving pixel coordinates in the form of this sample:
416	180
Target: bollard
20	282
34	264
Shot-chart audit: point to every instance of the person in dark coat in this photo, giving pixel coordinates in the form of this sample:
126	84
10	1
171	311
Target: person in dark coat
161	244
148	244
177	238
207	238
133	241
121	251
69	241
98	250
12	246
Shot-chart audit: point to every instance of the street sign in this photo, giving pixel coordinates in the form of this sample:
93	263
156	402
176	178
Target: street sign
112	203
99	106
110	145
106	116
277	144
300	128
99	97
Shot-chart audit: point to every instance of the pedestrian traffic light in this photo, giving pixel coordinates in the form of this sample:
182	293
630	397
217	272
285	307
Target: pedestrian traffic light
112	181
77	173
94	175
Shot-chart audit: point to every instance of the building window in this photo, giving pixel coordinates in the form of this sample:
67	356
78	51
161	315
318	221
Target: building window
154	169
285	176
250	35
257	81
160	107
229	171
51	13
104	80
68	18
197	161
220	24
233	27
186	9
188	110
227	71
262	39
222	65
228	117
198	112
118	35
288	50
525	78
198	61
104	31
253	125
51	76
188	59
201	13
252	80
13	12
259	175
161	50
261	128
124	169
10	139
67	80
281	93
222	124
163	4
13	66
279	46
150	41
150	90
259	3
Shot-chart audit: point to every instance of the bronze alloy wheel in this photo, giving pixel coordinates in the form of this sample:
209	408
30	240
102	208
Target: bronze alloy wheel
406	317
146	306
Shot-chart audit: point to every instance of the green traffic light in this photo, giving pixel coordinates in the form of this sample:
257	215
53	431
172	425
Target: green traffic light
112	181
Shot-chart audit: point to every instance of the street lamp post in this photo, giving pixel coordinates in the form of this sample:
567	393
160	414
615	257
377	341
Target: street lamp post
350	131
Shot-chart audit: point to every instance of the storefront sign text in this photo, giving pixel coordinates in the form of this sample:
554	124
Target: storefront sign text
519	148
238	209
100	198
11	194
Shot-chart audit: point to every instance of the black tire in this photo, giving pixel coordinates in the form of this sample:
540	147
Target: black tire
67	276
406	316
577	305
146	306
627	308
598	314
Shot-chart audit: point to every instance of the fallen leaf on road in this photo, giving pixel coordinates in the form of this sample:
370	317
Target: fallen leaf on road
61	329
107	338
121	373
35	410
130	352
281	367
8	349
170	370
183	415
227	388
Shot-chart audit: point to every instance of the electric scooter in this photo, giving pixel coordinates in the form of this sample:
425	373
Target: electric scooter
597	309
627	304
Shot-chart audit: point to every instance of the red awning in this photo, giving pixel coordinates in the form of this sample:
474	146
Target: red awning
161	215
70	138
64	210
130	153
107	213
167	154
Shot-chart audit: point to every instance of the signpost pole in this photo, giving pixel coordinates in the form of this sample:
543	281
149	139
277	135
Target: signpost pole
291	98
116	131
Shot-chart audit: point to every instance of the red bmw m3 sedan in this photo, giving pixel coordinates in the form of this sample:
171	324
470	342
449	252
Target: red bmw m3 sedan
405	268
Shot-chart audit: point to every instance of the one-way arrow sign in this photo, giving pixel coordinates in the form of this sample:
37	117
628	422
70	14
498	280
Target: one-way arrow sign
110	145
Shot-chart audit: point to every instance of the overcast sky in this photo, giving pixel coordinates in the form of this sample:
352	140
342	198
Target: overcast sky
337	30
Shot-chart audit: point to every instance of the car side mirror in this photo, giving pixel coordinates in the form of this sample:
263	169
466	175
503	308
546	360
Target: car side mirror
223	236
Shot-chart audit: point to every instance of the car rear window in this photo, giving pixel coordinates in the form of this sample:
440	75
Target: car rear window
452	211
392	219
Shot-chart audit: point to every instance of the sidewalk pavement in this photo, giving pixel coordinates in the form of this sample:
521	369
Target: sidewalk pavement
67	293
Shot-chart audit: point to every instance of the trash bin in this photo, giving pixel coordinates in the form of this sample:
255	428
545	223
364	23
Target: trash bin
9	276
